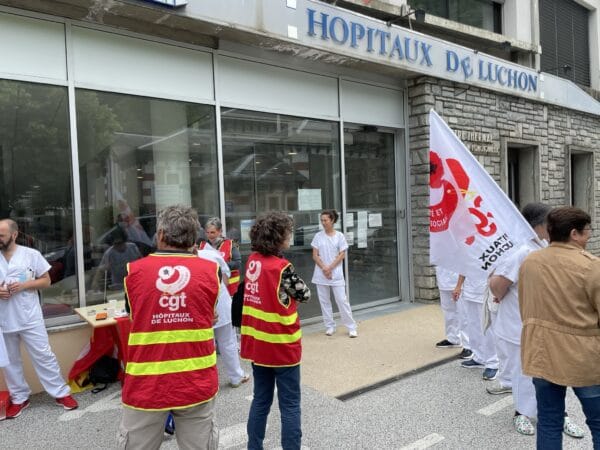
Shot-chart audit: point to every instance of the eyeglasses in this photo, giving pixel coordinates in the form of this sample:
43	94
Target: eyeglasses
590	229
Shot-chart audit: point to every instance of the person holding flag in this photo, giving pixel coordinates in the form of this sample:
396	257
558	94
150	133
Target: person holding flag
473	227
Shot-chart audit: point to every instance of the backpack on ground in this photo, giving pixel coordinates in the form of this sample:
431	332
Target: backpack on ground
104	371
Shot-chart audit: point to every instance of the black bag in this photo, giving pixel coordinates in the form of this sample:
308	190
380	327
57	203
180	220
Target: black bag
237	303
104	371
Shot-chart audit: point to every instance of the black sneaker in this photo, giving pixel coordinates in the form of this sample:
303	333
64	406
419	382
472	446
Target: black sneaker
446	344
465	354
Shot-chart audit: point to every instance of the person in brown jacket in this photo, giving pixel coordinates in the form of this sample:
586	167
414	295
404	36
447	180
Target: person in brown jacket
559	300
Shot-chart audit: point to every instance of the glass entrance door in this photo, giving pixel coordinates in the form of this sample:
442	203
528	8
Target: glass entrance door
371	221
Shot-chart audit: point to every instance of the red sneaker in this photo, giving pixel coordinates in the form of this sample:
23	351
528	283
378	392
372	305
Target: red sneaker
67	402
15	409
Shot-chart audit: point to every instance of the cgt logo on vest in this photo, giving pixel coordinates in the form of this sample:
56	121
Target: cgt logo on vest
171	281
252	275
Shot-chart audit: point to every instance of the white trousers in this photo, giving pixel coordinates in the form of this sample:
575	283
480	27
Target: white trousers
506	361
482	345
43	360
339	293
523	390
228	349
454	319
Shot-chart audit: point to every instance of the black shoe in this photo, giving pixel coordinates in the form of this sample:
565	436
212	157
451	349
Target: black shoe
465	354
446	344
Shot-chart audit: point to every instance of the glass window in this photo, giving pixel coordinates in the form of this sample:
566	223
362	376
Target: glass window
276	162
522	170
35	182
484	14
581	176
371	201
137	155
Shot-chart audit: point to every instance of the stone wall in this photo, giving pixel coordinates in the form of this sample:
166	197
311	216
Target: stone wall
507	119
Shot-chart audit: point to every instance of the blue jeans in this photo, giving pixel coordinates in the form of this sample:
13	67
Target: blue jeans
288	395
551	412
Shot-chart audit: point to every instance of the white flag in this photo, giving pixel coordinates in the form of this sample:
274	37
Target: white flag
473	224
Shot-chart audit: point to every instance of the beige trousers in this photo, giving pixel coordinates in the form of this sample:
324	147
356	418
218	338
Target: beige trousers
195	428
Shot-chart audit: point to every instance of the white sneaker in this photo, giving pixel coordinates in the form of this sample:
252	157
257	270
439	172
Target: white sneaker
330	331
353	334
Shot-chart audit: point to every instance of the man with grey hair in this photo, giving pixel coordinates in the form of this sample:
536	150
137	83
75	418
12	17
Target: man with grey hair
508	325
23	272
228	249
171	358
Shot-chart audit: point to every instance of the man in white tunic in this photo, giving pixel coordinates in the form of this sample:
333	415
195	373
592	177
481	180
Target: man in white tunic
24	271
224	332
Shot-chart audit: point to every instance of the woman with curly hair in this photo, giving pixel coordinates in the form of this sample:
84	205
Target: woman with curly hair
271	334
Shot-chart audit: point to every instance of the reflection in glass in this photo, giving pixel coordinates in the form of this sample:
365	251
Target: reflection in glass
371	200
138	155
486	14
35	182
276	162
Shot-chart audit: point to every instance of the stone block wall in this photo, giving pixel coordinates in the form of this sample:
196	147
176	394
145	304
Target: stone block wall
507	119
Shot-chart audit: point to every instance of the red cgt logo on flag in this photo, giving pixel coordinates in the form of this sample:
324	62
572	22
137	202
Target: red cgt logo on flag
441	212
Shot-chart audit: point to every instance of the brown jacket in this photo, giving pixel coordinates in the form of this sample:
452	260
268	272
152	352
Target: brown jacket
559	299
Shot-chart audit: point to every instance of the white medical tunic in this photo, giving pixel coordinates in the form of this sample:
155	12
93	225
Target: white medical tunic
329	248
224	302
508	324
22	310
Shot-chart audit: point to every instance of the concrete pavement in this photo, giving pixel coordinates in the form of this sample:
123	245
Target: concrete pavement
443	407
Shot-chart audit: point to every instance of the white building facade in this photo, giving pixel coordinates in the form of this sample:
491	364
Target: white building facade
114	109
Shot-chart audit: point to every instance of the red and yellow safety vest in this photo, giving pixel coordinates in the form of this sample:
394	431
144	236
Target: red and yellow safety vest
226	250
171	358
271	334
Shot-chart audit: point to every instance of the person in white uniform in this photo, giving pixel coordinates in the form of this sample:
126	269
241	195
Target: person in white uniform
24	271
329	250
508	324
454	314
482	345
224	331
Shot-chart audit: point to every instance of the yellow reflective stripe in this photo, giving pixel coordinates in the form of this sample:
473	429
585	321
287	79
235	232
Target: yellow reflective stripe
272	338
234	280
177	365
270	317
171	336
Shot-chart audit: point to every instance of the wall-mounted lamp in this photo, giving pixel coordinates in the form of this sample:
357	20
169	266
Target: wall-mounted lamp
504	46
419	15
566	68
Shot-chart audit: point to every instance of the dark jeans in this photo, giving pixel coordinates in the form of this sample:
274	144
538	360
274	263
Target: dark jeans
288	395
551	412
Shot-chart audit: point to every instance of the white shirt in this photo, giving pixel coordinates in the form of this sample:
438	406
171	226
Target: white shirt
508	322
446	279
329	248
22	310
474	288
224	302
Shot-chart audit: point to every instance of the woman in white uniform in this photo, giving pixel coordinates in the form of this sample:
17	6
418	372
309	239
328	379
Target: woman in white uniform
329	250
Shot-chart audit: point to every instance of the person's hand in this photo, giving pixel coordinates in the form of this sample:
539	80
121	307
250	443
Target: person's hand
327	271
4	294
16	287
215	319
456	294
